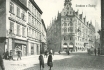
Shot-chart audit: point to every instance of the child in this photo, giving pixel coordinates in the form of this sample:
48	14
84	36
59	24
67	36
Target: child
41	61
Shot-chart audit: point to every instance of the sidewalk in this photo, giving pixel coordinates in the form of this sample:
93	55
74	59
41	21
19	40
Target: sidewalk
28	61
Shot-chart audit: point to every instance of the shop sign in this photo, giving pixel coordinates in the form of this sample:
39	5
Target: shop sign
19	41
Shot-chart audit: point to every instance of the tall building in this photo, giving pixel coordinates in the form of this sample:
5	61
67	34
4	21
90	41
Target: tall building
20	26
75	32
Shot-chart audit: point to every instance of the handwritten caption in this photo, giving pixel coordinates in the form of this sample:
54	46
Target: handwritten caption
89	5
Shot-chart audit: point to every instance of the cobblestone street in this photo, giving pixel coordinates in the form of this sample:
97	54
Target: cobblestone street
74	61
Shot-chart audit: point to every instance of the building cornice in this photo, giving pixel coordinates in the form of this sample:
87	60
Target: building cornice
20	4
36	6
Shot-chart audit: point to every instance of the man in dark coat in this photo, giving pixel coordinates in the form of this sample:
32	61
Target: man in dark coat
98	51
1	63
41	61
6	55
50	63
95	51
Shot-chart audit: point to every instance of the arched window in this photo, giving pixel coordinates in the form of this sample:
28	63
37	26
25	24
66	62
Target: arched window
71	29
65	29
71	24
65	24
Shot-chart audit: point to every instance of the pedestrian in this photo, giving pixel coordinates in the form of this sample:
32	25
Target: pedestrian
19	53
49	61
68	52
95	51
1	63
59	52
41	61
53	52
11	55
6	55
46	53
98	51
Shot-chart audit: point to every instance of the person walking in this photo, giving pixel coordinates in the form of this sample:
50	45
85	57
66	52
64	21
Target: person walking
98	51
95	51
41	61
49	62
1	63
19	55
6	55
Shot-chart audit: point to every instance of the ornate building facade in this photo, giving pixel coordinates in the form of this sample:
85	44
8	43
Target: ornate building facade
75	32
20	26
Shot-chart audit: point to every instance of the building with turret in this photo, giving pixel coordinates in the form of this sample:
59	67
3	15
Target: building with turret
75	32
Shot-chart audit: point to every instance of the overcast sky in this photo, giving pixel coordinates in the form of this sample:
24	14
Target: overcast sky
50	9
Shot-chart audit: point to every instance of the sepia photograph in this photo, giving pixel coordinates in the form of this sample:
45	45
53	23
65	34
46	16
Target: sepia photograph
51	35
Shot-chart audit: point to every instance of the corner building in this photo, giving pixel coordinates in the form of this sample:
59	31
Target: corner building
76	33
20	26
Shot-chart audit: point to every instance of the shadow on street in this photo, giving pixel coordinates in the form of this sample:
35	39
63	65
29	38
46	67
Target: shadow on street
78	61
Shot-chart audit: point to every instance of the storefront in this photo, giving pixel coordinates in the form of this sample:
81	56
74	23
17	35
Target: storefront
20	44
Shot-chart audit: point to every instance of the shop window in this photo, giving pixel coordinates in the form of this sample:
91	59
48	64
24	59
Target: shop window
32	49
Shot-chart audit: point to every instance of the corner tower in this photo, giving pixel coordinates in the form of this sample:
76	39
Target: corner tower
67	26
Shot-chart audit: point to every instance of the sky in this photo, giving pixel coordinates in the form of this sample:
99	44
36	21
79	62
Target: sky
50	9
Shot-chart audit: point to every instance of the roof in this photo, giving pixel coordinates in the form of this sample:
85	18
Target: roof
21	4
36	6
43	24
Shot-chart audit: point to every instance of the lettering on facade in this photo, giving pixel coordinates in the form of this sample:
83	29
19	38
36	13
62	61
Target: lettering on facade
22	42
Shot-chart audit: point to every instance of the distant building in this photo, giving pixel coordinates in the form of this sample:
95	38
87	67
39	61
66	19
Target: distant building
20	26
75	32
54	34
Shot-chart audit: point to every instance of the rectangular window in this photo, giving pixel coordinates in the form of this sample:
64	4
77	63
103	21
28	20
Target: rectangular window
11	27
11	7
18	11
32	20
18	29
23	31
29	31
23	15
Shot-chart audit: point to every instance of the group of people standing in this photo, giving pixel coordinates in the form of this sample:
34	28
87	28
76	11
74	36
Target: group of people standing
49	61
9	55
96	51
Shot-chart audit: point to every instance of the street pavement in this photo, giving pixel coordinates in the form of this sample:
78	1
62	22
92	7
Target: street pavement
74	61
